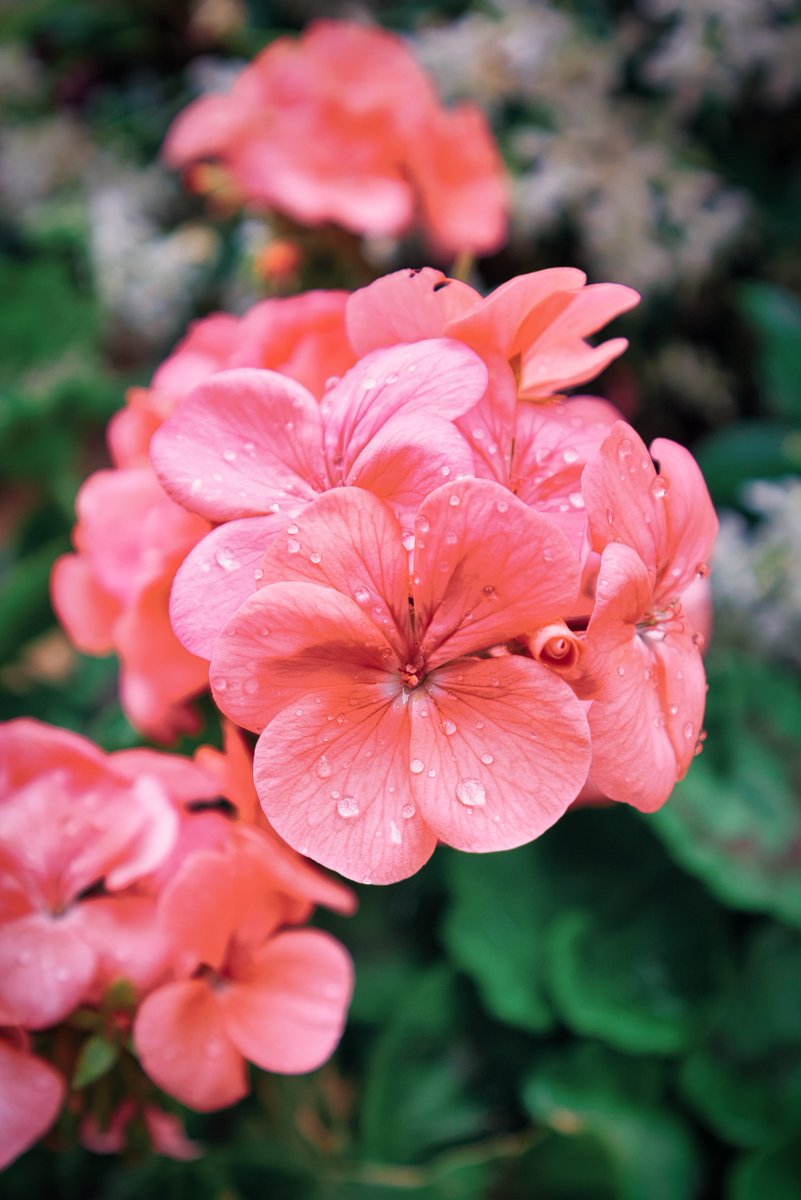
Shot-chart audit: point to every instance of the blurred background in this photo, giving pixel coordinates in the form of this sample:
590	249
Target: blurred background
613	1012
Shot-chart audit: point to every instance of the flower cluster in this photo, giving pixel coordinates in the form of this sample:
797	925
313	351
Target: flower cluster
342	125
143	895
444	595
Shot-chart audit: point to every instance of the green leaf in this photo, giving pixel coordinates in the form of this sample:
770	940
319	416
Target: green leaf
96	1059
775	316
735	822
494	931
745	1080
586	1091
733	456
771	1175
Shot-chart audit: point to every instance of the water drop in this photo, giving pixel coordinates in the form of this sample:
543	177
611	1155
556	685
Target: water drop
395	835
332	381
408	811
229	455
688	730
471	793
702	570
347	807
408	540
251	686
659	488
361	595
315	558
293	546
610	516
502	506
448	728
621	671
454	501
422	524
323	767
570	456
292	529
488	590
368	385
416	767
576	499
451	539
487	759
226	560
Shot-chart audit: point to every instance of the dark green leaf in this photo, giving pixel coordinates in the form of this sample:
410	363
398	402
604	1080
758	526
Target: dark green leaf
96	1058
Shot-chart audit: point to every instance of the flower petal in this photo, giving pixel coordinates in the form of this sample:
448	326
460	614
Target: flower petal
503	751
497	320
334	780
217	576
45	969
286	1013
242	444
487	568
31	1095
184	1047
406	306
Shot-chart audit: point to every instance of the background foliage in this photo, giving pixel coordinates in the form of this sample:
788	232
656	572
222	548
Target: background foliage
612	1011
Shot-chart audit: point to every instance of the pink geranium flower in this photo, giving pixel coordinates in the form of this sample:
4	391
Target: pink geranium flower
74	834
383	725
247	990
376	156
113	594
251	449
655	530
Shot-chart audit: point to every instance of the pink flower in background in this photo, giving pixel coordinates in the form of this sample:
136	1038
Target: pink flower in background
251	449
165	1131
655	533
383	727
113	594
342	125
247	990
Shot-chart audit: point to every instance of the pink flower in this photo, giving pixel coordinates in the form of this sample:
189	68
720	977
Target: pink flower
165	1131
251	449
250	991
655	532
31	1093
70	823
113	594
538	323
376	156
383	727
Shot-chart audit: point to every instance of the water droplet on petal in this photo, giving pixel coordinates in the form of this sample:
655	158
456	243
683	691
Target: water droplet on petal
395	835
488	590
361	595
226	560
621	670
408	540
688	730
570	456
660	487
347	807
702	570
502	506
323	767
229	455
610	516
471	792
454	501
293	546
487	759
408	811
315	558
448	728
576	499
416	767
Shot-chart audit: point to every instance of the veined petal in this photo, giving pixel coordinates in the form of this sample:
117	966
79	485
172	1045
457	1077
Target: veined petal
287	1010
289	638
243	443
503	751
45	969
406	306
217	576
486	568
349	540
31	1095
434	378
497	320
692	523
183	1046
624	499
334	776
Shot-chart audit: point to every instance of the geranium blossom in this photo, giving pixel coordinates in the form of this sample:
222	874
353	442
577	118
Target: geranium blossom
251	449
655	531
376	156
384	728
31	1092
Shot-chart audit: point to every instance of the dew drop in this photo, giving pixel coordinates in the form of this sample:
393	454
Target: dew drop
471	793
323	767
660	487
448	727
454	501
416	767
502	506
408	540
347	807
315	558
332	381
408	811
395	835
451	539
293	546
229	455
621	671
488	590
570	456
487	759
226	560
576	499
292	529
702	570
368	385
361	595
610	516
688	730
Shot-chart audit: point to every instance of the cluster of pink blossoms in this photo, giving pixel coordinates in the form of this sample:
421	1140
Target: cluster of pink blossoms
377	156
446	597
143	895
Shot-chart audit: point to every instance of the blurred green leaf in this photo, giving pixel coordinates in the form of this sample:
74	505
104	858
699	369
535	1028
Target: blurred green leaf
746	1078
494	931
734	455
775	316
586	1091
771	1175
97	1057
735	821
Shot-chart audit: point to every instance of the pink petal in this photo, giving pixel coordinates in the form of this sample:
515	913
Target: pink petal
31	1095
184	1047
487	568
45	969
623	497
168	1136
349	540
83	606
111	507
500	754
286	639
496	321
334	780
128	944
681	680
242	444
406	306
434	378
287	1012
217	576
287	872
203	351
490	425
691	518
203	129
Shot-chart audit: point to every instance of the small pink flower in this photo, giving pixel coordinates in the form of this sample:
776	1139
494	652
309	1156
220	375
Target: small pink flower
165	1130
376	156
655	531
250	991
383	726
